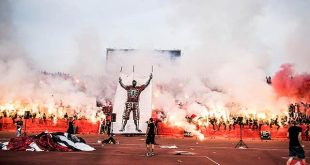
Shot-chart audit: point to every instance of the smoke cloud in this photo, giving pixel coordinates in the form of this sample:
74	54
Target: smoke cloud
289	84
228	48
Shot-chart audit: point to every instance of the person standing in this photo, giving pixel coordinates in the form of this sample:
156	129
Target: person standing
102	126
150	137
44	118
295	143
108	123
19	126
71	126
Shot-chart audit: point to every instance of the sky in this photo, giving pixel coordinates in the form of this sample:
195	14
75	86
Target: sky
50	30
56	34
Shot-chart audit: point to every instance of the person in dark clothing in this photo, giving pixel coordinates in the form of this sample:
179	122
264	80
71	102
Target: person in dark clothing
271	123
44	118
108	123
51	119
291	110
250	123
260	124
71	126
255	124
276	122
213	122
268	80
295	144
150	137
14	117
221	122
235	122
66	116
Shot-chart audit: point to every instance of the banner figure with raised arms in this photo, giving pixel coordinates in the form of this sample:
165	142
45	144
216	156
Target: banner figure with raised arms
132	103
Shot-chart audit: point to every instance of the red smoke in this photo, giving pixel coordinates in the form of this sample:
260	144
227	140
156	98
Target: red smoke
289	84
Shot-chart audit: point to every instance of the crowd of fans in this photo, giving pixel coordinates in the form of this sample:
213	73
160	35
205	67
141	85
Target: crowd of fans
250	123
103	113
298	112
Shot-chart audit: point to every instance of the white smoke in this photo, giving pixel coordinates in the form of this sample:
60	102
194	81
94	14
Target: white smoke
228	47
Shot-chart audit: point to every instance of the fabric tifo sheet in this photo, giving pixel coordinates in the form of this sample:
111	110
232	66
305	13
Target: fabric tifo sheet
47	142
145	104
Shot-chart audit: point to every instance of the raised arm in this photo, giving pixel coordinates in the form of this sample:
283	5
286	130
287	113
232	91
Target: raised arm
121	83
149	80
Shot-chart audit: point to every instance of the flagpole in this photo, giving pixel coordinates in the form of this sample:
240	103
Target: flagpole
152	94
133	72
152	100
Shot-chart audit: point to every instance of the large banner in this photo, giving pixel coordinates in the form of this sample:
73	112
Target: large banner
145	105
